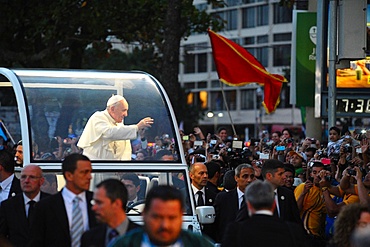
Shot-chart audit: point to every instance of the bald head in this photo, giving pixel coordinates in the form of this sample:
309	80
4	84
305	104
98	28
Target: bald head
199	175
31	180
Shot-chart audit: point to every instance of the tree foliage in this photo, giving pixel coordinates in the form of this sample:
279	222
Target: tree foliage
56	34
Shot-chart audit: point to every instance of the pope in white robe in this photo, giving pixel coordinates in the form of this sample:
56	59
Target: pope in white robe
105	137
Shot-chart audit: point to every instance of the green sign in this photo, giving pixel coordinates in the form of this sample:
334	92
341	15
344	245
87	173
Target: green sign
305	58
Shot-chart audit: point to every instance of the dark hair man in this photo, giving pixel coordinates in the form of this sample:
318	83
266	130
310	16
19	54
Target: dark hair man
227	204
132	183
110	198
9	183
162	216
61	219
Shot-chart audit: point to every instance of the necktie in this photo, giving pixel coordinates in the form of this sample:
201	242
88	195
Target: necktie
112	235
243	202
277	209
30	209
200	201
77	223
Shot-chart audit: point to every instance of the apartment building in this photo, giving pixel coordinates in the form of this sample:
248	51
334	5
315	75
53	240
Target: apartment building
264	28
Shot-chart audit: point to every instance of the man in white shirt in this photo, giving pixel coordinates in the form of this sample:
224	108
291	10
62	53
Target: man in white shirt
60	219
16	212
9	183
105	137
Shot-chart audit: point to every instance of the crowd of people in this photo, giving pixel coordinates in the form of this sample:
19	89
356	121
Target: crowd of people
314	182
271	191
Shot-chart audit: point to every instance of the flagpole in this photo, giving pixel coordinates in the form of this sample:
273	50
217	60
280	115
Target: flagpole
227	107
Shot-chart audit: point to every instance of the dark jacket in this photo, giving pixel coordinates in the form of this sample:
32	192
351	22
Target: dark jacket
134	238
50	226
14	224
264	231
95	237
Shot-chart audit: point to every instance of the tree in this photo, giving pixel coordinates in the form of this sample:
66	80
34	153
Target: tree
55	34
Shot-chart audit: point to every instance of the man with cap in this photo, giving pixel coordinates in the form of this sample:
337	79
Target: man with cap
299	161
105	136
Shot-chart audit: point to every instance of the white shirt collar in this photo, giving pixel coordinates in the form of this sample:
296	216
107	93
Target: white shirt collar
6	182
240	193
69	195
195	189
36	199
264	212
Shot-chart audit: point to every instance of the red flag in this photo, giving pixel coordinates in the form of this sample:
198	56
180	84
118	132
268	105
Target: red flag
236	67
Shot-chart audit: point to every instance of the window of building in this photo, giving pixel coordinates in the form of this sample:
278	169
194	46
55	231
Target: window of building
282	55
198	98
202	84
247	99
282	14
201	6
189	63
189	85
262	39
232	2
217	102
262	15
282	37
215	84
231	18
249	17
262	55
249	40
202	62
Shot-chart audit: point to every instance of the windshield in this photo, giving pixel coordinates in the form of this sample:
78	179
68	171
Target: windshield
138	183
61	102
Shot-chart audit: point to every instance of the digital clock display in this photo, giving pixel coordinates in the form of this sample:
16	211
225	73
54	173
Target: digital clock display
350	105
353	105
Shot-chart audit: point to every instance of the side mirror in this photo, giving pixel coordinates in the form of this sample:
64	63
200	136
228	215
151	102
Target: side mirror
206	214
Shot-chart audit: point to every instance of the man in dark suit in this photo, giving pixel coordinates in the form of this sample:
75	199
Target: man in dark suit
16	212
227	204
10	184
203	196
68	211
262	228
214	171
110	198
286	205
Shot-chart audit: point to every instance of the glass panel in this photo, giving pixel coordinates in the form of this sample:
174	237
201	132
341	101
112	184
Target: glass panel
249	17
60	106
262	15
202	62
262	39
217	102
138	183
10	129
189	63
282	55
282	37
249	40
282	14
262	55
232	19
247	99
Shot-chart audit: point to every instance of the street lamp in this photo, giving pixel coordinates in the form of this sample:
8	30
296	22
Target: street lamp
215	117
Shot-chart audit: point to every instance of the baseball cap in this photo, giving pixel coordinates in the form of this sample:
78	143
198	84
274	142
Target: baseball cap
300	154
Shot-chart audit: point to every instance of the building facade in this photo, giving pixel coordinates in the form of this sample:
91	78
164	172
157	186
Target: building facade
264	28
